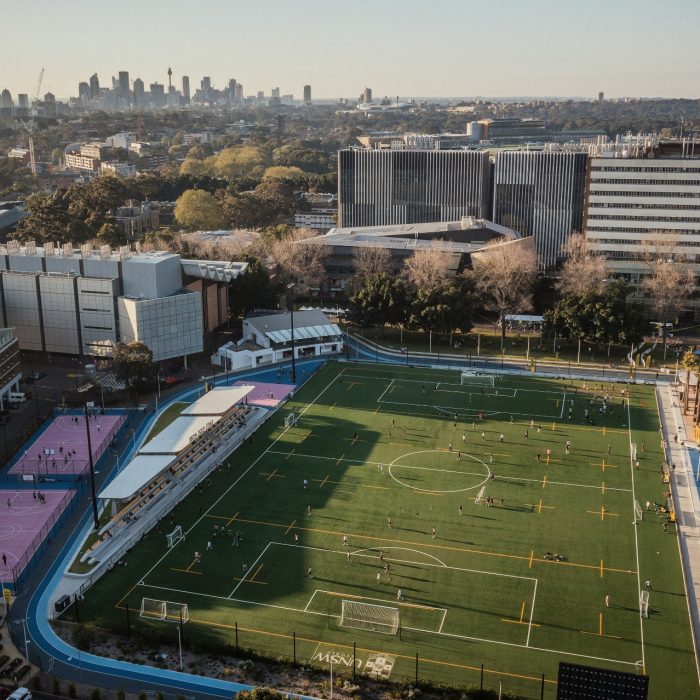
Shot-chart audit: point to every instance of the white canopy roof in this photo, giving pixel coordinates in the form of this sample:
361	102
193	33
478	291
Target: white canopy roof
304	333
218	400
177	435
136	474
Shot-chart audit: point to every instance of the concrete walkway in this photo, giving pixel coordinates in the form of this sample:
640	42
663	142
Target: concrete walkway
686	499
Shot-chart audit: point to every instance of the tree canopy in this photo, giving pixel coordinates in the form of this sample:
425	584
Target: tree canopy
198	210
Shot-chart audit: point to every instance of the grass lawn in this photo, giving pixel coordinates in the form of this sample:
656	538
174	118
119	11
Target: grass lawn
374	443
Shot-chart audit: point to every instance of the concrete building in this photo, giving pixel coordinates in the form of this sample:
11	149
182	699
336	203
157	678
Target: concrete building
267	338
380	188
98	151
116	167
307	94
83	302
642	191
10	374
459	239
541	194
137	220
186	88
76	161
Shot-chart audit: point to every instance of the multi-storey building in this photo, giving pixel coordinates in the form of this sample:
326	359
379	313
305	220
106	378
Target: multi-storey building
77	161
644	195
379	188
541	194
10	374
83	302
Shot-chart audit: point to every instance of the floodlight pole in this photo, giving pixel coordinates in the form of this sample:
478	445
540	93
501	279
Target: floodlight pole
179	642
290	289
92	469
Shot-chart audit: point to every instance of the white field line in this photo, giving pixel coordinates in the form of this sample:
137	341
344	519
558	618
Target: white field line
250	569
634	525
385	390
235	483
532	612
306	607
563	405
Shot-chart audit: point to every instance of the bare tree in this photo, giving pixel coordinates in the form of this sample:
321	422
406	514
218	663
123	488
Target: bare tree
297	259
668	280
370	260
429	268
582	272
505	274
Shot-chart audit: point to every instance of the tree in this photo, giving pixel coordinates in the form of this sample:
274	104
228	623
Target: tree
283	172
253	290
111	234
234	162
444	309
134	363
429	268
582	271
296	259
195	167
600	317
669	280
199	210
504	273
382	298
370	260
689	362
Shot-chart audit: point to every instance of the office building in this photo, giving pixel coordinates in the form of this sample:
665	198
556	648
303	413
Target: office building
50	105
82	302
366	96
541	194
124	96
641	192
22	109
379	188
232	85
459	239
94	86
6	103
139	92
84	93
10	374
307	94
77	161
186	88
158	95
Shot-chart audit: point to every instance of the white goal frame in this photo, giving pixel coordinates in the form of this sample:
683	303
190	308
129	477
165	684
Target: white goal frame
290	420
172	538
644	603
370	617
164	610
467	378
638	512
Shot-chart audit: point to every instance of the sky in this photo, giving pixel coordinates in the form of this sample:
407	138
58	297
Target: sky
637	48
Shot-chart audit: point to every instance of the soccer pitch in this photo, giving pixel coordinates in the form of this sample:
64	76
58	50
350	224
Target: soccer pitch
372	498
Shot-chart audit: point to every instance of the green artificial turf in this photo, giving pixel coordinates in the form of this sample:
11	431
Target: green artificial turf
479	591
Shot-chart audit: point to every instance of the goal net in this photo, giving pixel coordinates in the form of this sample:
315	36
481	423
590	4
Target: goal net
638	514
474	379
644	603
164	610
480	497
174	537
290	420
153	609
366	616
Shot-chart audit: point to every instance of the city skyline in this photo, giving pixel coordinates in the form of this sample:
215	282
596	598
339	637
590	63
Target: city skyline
500	49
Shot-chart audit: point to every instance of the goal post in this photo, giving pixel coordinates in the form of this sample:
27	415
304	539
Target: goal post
172	538
290	420
176	612
153	609
644	603
367	616
638	513
474	379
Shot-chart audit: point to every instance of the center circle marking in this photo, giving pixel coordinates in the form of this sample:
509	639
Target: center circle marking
441	452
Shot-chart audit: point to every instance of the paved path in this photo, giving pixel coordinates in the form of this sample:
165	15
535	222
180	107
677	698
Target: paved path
686	500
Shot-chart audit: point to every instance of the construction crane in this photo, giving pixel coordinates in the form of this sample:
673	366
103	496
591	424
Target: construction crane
29	127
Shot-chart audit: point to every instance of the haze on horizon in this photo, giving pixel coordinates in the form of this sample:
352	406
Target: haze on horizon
396	47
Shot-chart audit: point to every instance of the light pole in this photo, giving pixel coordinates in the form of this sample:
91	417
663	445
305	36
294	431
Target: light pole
290	290
179	645
92	469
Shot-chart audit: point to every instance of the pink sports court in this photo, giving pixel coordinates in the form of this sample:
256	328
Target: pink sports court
266	395
62	447
25	522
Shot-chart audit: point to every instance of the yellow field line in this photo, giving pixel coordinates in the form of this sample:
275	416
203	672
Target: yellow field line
602	512
289	455
324	481
290	527
232	519
186	571
272	473
544	481
532	554
340	459
433	546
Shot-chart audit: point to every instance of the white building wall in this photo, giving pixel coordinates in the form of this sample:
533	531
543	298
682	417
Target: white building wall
21	294
59	313
170	327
